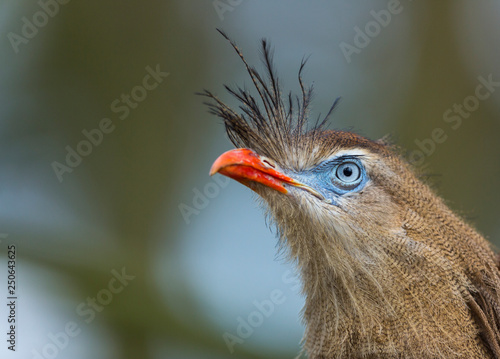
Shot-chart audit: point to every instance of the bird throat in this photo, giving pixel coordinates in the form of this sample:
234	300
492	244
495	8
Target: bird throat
377	294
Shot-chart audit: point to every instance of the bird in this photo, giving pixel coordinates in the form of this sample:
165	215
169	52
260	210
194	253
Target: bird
387	269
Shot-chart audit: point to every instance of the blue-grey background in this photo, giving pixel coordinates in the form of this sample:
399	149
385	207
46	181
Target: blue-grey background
198	274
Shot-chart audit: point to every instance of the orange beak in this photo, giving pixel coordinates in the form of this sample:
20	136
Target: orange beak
246	166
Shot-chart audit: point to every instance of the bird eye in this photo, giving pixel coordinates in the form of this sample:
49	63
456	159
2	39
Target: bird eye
348	172
347	175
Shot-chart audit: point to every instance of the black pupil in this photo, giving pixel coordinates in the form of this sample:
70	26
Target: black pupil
347	171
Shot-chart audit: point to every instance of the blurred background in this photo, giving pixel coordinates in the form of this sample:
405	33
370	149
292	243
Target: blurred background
126	248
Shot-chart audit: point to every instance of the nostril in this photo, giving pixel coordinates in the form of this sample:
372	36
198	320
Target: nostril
268	162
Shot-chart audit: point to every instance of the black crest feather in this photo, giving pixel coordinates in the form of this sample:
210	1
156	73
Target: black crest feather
271	124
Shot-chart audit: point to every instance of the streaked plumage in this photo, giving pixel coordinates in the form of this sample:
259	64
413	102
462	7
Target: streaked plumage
388	270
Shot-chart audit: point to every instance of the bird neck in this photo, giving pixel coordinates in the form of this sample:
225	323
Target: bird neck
383	294
393	281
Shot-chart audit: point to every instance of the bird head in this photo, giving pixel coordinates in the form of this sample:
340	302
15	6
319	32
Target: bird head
328	192
384	263
320	185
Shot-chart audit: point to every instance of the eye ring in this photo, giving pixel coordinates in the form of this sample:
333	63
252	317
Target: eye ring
347	175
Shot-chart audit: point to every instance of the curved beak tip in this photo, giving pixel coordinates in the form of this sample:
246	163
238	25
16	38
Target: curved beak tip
213	170
245	166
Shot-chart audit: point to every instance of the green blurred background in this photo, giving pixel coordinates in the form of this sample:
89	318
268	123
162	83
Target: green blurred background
142	202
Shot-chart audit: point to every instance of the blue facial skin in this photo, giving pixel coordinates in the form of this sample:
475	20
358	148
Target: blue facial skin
335	177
